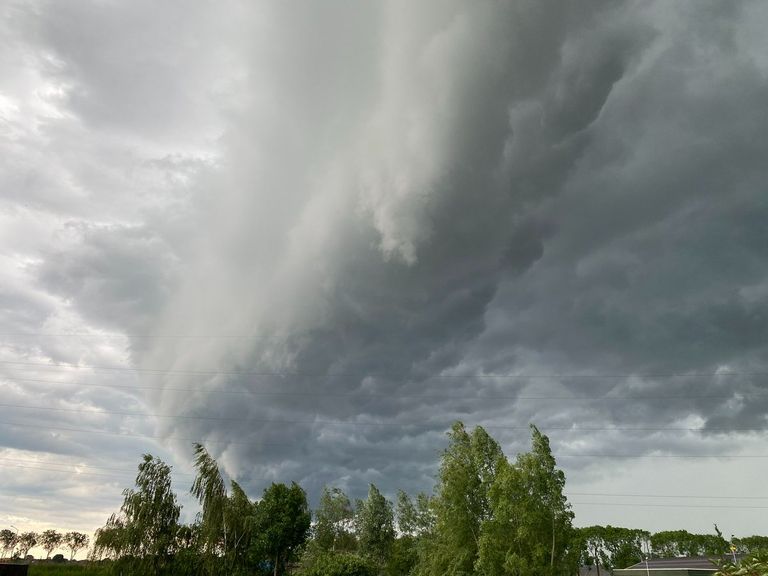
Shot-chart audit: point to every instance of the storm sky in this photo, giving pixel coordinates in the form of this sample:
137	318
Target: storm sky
311	235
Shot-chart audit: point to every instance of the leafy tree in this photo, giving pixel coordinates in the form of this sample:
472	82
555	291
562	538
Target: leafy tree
591	542
529	530
110	540
753	565
239	517
374	521
8	541
751	544
208	487
339	564
281	523
461	504
27	541
624	546
145	528
75	541
333	522
415	520
151	511
49	541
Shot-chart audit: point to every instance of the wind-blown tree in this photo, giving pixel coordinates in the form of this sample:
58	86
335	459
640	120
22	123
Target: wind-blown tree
239	518
624	546
461	504
334	518
751	544
590	540
226	529
375	526
8	541
414	520
49	541
151	511
529	529
110	540
281	524
208	487
27	541
75	541
145	528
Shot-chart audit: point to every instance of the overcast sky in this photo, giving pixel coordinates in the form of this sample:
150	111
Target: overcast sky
311	235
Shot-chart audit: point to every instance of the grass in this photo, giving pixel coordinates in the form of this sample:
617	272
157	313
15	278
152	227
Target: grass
68	570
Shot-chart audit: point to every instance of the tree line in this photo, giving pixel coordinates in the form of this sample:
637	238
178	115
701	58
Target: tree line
18	545
488	515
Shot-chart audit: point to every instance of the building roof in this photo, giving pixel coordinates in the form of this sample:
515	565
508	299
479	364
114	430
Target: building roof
686	562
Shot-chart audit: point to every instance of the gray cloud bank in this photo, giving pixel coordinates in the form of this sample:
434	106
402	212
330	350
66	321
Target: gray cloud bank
326	231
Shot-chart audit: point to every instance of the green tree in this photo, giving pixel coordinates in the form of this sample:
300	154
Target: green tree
27	541
624	546
282	523
529	530
110	540
239	517
339	564
151	512
374	523
49	541
8	541
208	487
461	503
590	541
145	528
75	541
751	544
333	522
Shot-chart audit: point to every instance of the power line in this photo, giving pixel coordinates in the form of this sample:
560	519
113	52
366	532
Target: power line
644	505
680	496
629	504
285	373
295	444
70	465
144	436
355	423
365	394
371	424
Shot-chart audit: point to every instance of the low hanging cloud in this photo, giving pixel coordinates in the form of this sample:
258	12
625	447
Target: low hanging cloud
324	232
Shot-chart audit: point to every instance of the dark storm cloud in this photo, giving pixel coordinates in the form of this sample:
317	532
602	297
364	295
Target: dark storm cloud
414	214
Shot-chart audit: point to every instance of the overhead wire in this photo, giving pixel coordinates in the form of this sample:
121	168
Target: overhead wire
371	394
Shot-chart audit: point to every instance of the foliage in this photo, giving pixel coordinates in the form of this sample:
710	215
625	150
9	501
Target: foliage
208	487
461	503
750	544
611	547
143	535
239	517
282	524
753	565
672	543
8	541
374	523
333	522
151	512
529	530
110	540
26	541
75	541
403	556
414	518
49	541
339	564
